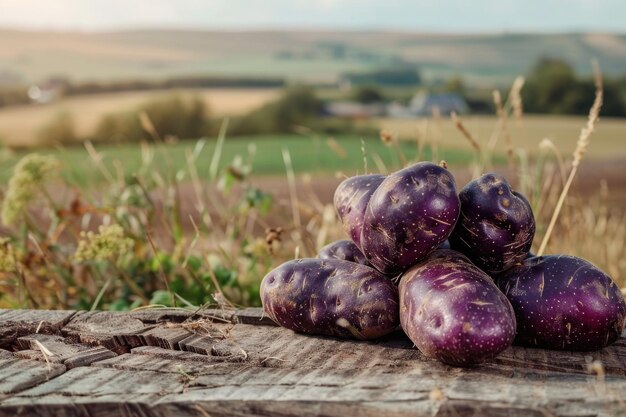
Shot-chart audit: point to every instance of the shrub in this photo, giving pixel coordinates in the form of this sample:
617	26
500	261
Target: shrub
13	96
119	127
177	117
368	94
172	115
553	87
297	106
59	130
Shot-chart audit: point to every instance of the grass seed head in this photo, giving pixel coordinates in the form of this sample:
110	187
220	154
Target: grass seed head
8	256
28	176
108	244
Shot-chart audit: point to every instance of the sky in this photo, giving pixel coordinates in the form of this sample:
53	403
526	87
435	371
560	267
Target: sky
412	15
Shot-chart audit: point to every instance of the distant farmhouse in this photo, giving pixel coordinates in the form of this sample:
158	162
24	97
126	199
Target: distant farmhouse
355	110
424	104
48	91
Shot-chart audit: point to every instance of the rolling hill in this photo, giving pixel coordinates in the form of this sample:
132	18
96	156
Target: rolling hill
306	55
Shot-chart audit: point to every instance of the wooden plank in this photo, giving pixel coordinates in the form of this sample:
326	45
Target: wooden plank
89	356
151	352
254	316
42	318
233	389
167	338
279	347
160	315
613	363
16	323
94	382
20	374
197	344
217	315
129	405
184	364
115	331
71	355
242	369
178	315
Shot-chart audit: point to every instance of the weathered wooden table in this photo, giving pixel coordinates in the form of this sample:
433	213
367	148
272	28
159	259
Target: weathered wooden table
169	362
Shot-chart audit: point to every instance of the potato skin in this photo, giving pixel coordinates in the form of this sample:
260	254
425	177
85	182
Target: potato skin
410	214
496	227
563	302
345	250
453	311
350	200
331	297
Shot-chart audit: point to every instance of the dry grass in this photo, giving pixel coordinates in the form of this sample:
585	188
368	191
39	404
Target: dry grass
581	148
19	125
229	226
526	136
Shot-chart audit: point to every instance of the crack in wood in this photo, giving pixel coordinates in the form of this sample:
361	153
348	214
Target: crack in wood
239	363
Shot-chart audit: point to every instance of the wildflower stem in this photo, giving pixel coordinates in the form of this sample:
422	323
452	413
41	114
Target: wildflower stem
100	294
130	283
161	270
24	286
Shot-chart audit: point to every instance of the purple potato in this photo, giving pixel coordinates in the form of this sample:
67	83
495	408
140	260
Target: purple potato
351	198
410	214
496	227
563	302
331	297
345	250
453	311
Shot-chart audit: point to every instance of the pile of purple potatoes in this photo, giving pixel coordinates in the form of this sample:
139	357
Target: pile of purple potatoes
453	269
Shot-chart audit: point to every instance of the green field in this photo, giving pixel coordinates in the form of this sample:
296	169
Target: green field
315	154
308	154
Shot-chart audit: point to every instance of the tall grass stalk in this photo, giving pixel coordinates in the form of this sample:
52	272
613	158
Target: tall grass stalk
581	147
503	118
207	234
217	152
291	182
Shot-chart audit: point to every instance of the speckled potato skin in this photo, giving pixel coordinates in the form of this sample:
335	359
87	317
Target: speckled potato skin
350	200
409	215
496	227
331	297
563	302
345	250
453	311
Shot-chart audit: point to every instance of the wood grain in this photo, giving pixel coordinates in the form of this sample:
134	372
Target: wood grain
16	323
174	362
19	374
70	354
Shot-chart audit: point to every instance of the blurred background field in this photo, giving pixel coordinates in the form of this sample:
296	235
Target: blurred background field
312	55
21	124
201	156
